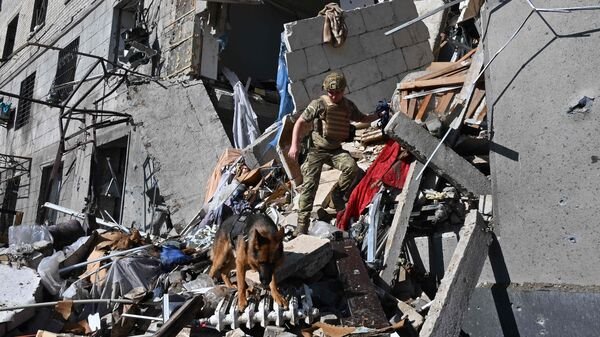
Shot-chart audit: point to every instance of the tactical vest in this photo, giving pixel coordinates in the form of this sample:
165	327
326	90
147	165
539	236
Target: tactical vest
336	120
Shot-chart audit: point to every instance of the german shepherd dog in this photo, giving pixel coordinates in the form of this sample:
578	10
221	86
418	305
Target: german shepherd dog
248	241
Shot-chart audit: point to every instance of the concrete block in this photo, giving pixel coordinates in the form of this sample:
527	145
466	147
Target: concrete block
299	95
354	22
404	10
418	55
350	52
419	32
435	24
362	99
316	60
446	163
304	256
296	65
362	74
392	63
435	251
376	42
314	85
452	298
303	33
378	16
383	89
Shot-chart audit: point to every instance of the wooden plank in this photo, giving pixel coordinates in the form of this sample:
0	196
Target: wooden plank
397	231
467	55
435	66
475	100
436	82
443	103
403	102
182	317
454	67
452	298
423	108
412	107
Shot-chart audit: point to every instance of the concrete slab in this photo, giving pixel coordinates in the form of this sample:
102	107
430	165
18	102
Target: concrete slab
452	298
446	163
21	286
304	256
435	24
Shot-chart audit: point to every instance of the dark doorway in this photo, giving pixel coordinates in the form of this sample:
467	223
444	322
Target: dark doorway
10	202
108	174
49	194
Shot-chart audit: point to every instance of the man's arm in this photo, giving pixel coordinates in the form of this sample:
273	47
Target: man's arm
297	134
369	118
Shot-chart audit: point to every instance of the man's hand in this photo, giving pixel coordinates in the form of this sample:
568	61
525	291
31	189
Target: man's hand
293	152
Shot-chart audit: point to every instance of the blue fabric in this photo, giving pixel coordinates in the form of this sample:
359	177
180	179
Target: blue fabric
286	104
170	256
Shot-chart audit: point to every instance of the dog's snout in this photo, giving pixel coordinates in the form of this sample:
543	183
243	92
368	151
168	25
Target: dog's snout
266	274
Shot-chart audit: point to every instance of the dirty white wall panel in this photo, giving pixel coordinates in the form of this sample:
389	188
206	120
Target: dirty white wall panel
372	62
182	131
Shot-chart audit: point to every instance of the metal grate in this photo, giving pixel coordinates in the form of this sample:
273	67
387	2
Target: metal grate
65	72
24	108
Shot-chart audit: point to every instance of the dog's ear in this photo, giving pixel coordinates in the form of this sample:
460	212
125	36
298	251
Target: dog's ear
261	240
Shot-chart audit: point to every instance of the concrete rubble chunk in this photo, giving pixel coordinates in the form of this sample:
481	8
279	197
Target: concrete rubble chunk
21	286
304	256
452	298
446	163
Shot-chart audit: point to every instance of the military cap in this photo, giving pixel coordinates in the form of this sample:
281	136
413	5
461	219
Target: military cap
334	81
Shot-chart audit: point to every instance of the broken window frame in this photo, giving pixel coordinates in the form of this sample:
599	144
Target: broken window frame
11	36
38	17
23	114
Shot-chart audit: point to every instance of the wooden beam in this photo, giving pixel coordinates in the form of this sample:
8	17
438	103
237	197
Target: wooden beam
397	231
403	102
443	103
452	298
423	108
455	66
436	82
475	100
412	107
181	318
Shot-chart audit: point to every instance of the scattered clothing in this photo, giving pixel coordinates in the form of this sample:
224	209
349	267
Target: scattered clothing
334	27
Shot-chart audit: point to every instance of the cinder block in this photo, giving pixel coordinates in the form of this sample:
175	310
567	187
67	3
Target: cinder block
314	85
354	22
316	60
299	95
350	52
296	65
303	33
404	10
384	89
403	38
419	32
418	55
392	63
362	74
376	42
362	100
378	16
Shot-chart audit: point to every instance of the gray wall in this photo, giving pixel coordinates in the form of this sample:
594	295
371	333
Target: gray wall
544	162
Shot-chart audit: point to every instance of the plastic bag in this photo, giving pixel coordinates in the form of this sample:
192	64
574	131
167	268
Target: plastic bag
48	270
322	229
27	234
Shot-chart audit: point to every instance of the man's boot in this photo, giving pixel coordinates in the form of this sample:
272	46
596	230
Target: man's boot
337	199
301	227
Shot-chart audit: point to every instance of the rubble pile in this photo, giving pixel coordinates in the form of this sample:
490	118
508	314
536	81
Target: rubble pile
383	266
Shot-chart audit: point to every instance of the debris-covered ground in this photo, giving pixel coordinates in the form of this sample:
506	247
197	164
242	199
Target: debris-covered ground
408	244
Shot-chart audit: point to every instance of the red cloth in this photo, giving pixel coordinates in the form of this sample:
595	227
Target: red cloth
387	169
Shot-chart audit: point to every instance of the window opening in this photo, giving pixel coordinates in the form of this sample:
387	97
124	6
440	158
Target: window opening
39	14
24	107
11	33
65	73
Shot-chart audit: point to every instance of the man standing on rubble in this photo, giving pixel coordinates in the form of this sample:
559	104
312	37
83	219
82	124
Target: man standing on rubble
330	116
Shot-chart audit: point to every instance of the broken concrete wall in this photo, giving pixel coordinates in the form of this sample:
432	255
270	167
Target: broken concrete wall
372	62
544	162
182	132
436	23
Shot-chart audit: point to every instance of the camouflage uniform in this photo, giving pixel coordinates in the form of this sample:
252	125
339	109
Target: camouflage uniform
324	149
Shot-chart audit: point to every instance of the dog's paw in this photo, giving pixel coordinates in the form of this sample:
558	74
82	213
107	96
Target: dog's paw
281	301
242	304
